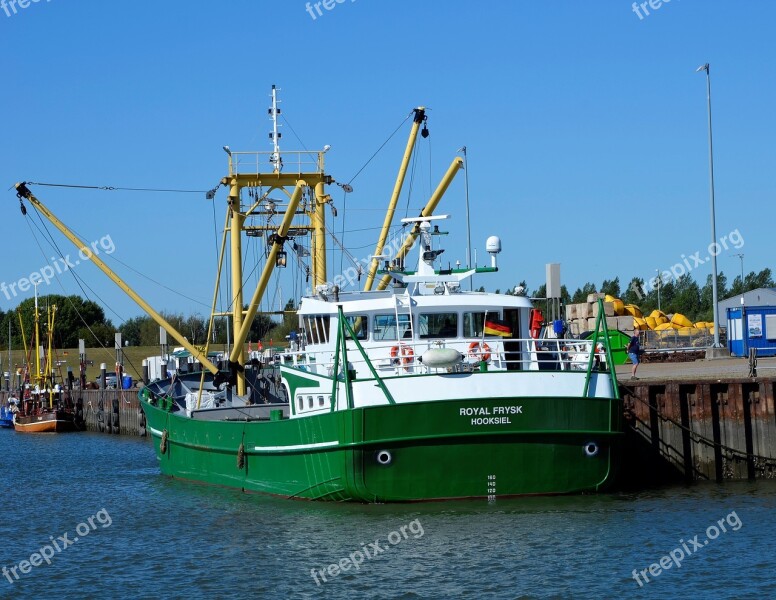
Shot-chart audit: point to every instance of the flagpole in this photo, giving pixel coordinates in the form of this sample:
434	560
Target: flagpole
468	226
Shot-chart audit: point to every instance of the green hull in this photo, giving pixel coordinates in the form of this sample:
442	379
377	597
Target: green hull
404	452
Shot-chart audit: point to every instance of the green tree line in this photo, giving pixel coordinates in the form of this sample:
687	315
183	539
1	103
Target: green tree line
683	295
76	318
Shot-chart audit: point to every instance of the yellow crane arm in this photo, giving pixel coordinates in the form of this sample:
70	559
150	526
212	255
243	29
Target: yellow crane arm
420	115
427	211
23	192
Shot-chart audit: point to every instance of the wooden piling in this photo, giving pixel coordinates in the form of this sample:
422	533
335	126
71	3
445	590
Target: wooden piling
714	430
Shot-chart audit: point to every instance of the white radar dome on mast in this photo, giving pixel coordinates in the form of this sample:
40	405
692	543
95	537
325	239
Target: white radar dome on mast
493	246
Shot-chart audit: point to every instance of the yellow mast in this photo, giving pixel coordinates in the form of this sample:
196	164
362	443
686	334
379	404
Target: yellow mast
243	319
235	231
318	223
420	115
51	312
241	334
24	337
23	192
211	321
38	374
427	211
287	171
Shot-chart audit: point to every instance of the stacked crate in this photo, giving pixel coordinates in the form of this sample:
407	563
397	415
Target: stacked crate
581	317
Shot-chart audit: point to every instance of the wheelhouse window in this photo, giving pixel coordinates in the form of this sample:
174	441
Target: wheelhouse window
473	323
316	329
438	325
359	325
384	327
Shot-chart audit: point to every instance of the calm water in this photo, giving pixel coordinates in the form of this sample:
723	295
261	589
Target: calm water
152	537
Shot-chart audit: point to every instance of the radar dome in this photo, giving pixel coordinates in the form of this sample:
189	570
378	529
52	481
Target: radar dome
493	244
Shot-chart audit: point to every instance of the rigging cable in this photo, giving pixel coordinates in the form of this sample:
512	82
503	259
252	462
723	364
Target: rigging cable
312	154
344	213
141	274
81	283
352	179
217	253
430	172
78	281
412	182
110	188
47	234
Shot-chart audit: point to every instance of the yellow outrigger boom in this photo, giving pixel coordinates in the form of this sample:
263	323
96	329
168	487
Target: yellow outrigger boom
427	211
23	192
420	117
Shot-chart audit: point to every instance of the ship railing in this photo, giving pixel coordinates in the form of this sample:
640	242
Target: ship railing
345	360
263	162
551	354
403	357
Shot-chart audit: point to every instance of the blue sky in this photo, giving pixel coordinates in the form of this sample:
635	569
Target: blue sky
586	128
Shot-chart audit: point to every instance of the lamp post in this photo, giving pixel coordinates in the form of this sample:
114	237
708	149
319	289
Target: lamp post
714	298
741	256
658	288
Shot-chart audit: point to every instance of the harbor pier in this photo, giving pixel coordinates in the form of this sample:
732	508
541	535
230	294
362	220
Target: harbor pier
111	411
698	421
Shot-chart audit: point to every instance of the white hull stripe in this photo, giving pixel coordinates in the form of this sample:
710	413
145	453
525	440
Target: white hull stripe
155	432
298	447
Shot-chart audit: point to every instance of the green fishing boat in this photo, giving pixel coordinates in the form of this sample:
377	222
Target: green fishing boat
410	389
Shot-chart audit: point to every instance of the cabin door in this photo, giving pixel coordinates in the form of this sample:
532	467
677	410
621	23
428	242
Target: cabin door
512	346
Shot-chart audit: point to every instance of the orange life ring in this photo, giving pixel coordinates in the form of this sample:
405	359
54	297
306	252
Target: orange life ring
405	352
480	349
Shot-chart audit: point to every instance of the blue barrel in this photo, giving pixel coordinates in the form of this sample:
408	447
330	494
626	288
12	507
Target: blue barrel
557	327
126	382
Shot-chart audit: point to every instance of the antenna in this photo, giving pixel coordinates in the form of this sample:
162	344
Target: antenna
274	111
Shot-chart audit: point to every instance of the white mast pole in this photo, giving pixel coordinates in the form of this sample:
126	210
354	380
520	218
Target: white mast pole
273	113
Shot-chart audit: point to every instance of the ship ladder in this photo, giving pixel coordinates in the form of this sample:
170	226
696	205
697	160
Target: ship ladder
403	306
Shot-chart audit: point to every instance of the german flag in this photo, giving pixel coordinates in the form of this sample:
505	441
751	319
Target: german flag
496	327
